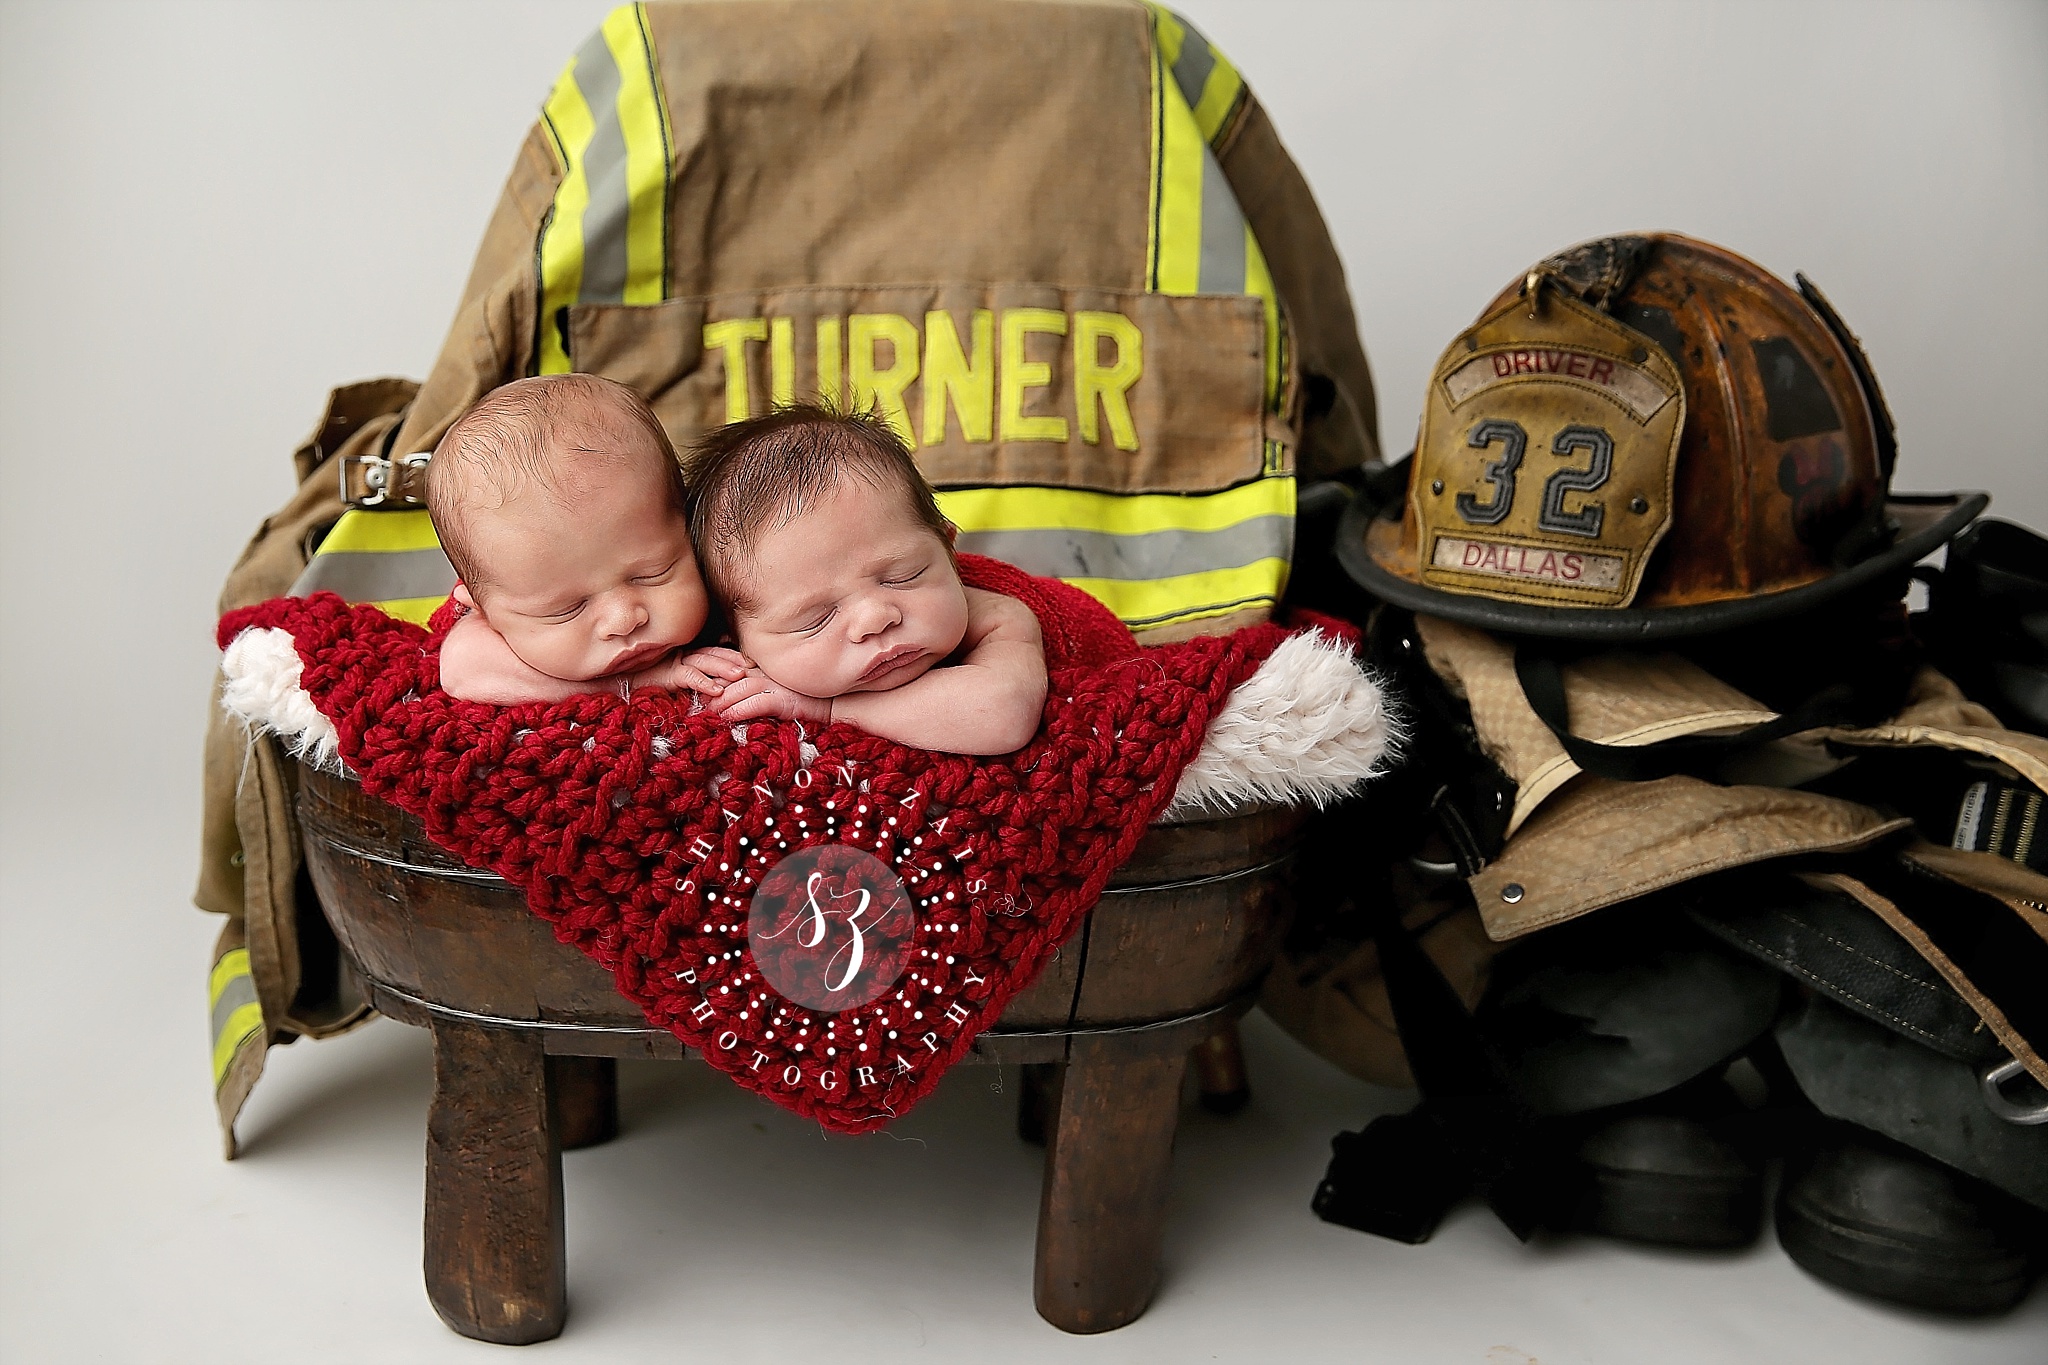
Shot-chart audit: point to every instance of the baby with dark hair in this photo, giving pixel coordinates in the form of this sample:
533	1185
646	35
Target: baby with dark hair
560	503
828	551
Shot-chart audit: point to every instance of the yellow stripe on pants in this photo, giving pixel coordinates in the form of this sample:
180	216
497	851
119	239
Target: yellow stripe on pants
231	1002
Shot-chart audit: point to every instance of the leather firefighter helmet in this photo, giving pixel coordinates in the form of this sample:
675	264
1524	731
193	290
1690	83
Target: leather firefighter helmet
1645	437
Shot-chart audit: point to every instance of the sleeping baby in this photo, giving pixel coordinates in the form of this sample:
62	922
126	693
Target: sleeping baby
827	550
562	508
559	501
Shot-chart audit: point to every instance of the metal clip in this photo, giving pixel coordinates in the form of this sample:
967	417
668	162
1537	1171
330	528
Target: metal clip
1992	1084
385	480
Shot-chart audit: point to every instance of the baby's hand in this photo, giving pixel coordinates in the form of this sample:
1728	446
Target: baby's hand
704	671
758	697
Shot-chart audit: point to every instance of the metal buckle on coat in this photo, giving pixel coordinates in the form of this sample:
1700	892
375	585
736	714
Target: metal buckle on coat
374	481
1993	1082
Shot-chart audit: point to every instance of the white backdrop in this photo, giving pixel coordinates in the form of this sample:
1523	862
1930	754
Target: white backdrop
211	212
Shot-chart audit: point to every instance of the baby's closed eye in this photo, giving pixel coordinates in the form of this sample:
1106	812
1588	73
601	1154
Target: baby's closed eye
658	577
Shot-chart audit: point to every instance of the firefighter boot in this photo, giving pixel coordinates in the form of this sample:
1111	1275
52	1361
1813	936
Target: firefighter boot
1877	1218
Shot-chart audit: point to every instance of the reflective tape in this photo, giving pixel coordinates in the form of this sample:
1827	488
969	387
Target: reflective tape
1153	603
1200	242
231	1001
1209	84
606	236
391	560
1155	559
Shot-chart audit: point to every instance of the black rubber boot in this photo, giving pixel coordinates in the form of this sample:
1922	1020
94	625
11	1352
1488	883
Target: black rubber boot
1875	1218
1672	1179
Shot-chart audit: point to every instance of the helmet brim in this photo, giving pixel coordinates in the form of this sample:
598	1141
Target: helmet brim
1926	521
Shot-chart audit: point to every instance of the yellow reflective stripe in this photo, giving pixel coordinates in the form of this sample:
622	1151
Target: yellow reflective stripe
231	973
233	963
1169	31
411	558
1178	153
1219	98
567	119
413	609
359	530
606	238
243	1023
643	116
1190	57
1114	546
1016	509
1151	603
1181	160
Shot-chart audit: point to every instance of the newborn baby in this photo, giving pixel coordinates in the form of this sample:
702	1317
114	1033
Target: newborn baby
828	552
559	501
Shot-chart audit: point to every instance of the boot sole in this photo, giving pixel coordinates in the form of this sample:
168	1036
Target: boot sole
1946	1279
1639	1206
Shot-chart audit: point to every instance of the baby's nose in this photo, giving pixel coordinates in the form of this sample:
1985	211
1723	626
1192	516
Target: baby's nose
623	616
873	616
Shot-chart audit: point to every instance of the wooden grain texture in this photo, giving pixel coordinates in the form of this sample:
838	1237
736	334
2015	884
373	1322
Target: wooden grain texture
1181	947
496	1263
1191	921
583	1094
1167	958
1102	1209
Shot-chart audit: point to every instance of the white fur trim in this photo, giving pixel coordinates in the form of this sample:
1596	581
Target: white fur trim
1308	726
263	669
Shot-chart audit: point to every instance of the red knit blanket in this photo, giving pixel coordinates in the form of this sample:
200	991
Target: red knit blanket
829	918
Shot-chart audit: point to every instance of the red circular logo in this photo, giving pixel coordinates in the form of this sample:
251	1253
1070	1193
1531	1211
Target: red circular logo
830	927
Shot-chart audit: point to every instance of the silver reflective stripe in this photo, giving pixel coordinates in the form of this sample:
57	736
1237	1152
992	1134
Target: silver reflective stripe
1058	552
378	575
1223	251
236	992
1197	60
604	170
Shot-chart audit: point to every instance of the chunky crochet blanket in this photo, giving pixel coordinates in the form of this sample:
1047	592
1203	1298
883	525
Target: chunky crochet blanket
830	918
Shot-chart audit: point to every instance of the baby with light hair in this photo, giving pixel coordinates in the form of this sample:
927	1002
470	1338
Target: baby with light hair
560	503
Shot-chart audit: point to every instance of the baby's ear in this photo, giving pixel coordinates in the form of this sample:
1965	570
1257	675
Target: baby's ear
462	595
952	533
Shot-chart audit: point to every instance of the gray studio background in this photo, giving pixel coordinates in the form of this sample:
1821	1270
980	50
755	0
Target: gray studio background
210	213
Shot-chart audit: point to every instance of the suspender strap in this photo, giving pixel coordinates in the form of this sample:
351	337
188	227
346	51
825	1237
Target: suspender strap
1543	684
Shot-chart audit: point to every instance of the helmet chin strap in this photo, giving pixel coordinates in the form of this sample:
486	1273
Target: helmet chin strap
1542	681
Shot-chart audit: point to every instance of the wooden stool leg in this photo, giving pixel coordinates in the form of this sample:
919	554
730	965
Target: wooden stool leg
1219	1066
585	1094
1102	1215
495	1257
1038	1100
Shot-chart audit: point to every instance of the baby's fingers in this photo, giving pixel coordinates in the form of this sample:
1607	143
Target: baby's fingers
718	662
746	689
698	681
759	706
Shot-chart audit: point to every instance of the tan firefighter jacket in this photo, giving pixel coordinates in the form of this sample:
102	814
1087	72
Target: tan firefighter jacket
1058	244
